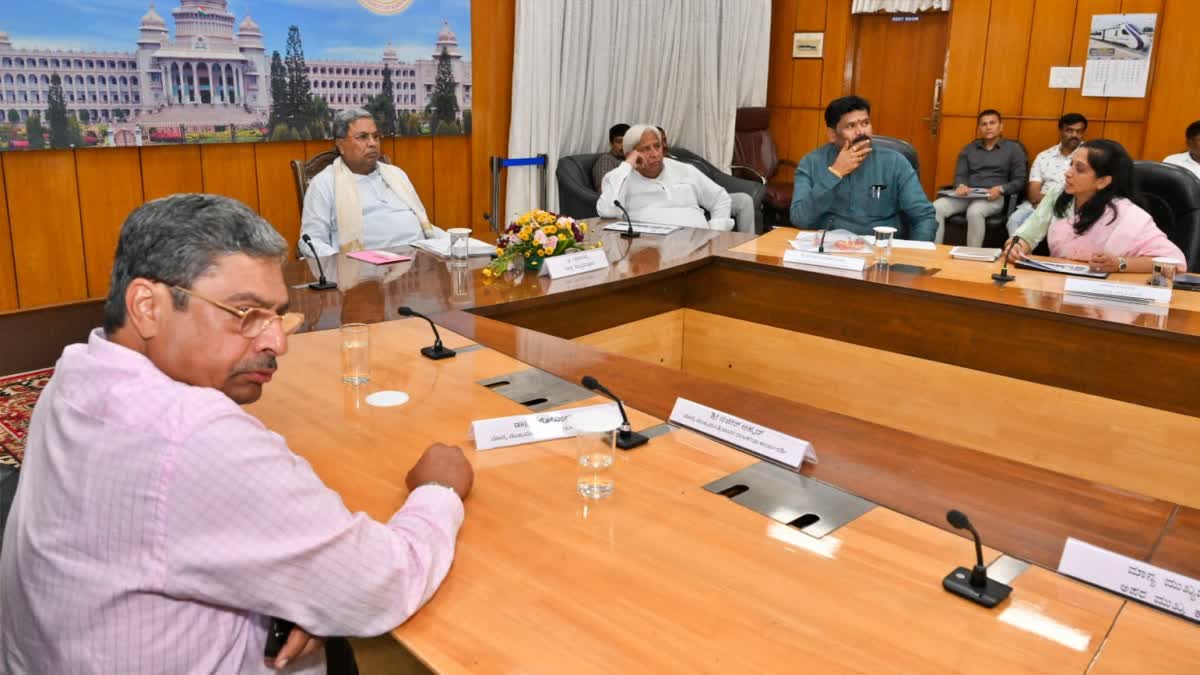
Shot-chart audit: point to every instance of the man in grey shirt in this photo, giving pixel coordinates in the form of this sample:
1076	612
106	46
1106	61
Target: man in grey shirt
989	163
611	159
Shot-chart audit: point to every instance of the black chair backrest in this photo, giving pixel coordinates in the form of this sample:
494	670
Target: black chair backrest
1171	194
576	198
903	147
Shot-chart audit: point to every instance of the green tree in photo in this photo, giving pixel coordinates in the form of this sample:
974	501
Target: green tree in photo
56	115
443	102
84	116
321	116
466	122
298	90
35	132
14	117
279	91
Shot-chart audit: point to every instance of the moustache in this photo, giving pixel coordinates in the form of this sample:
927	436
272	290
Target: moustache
265	363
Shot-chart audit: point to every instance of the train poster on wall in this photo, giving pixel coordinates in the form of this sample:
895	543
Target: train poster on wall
1118	60
139	72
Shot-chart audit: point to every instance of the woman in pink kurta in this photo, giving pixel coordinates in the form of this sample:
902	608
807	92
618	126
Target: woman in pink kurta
1095	220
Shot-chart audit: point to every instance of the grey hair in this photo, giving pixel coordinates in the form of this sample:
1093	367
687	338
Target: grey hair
176	239
634	136
343	120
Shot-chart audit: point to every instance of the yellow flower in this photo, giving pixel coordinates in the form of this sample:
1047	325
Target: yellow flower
582	227
527	253
549	229
487	271
547	251
523	235
599	244
499	251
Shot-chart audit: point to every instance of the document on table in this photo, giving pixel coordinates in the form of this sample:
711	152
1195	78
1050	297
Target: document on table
972	193
441	246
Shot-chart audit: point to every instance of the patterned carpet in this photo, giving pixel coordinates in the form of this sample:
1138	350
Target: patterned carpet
18	393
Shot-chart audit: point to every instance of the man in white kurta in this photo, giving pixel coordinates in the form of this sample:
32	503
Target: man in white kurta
656	189
357	202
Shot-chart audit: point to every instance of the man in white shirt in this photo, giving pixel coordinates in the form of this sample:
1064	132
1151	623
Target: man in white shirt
1049	168
741	205
1189	160
655	189
358	202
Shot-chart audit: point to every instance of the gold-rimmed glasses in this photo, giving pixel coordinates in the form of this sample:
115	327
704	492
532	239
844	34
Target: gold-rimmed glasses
254	320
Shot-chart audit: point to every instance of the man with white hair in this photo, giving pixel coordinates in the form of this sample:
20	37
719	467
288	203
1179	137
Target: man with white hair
656	189
358	202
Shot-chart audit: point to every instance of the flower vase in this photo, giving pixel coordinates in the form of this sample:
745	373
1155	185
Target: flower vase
535	263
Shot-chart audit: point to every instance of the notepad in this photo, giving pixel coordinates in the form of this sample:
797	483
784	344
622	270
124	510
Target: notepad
975	253
379	257
441	246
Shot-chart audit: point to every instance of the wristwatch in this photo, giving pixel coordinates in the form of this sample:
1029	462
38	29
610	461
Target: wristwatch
1122	264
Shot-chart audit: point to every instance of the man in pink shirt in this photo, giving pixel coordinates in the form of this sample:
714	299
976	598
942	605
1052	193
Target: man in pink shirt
157	525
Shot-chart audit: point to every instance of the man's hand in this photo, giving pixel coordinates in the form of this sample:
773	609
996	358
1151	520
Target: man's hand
995	193
962	190
851	157
1018	250
443	464
635	159
299	644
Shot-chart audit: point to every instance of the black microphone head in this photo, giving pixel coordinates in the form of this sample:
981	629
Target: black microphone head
306	238
590	382
958	519
405	311
617	202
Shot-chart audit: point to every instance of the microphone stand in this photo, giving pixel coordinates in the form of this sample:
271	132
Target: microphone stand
974	585
321	284
629	233
437	352
1004	277
627	438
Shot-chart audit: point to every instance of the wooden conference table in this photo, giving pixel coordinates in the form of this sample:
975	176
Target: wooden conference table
546	583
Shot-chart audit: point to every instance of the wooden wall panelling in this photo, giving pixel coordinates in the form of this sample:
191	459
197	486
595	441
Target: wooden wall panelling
8	275
1134	109
1092	107
838	25
1037	135
452	181
964	65
229	169
870	45
1049	45
779	68
168	169
955	133
1005	59
47	239
1172	103
110	187
1128	134
493	27
807	132
316	147
277	199
781	131
807	73
414	154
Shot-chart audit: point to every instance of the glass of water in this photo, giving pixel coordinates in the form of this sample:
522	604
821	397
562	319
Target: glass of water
460	242
1164	272
595	440
356	353
883	244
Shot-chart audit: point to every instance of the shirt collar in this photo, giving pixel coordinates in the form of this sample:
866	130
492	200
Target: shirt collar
999	142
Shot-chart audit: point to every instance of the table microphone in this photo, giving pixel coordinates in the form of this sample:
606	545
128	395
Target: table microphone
627	438
321	284
824	231
437	351
973	585
627	234
1004	277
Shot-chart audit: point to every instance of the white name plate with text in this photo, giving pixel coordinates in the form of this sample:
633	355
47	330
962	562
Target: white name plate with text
839	262
1132	578
501	432
576	263
758	440
1117	291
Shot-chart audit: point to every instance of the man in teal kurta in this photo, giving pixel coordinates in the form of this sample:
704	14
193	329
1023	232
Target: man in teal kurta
847	184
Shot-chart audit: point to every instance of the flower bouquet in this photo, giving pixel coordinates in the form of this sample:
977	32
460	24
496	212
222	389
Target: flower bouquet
532	238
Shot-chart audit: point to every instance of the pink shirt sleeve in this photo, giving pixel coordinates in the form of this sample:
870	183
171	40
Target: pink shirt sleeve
245	523
1146	240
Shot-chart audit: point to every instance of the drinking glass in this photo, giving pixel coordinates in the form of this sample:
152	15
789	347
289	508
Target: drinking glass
1164	272
883	244
356	353
460	242
595	440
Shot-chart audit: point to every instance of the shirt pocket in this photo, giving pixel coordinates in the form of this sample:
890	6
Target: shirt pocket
878	207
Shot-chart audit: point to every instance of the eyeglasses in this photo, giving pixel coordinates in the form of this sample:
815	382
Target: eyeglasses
254	320
364	136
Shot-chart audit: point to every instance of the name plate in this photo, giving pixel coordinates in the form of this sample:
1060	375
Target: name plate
576	263
1117	291
502	432
1132	578
758	440
839	262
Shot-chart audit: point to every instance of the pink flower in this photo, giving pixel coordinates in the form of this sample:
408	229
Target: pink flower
552	243
539	237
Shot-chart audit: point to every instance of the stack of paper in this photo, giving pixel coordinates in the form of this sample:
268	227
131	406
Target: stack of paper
975	253
441	246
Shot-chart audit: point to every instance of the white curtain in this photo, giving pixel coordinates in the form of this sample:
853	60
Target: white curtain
581	66
898	6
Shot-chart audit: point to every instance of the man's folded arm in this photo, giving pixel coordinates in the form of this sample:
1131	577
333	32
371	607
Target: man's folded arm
812	194
255	529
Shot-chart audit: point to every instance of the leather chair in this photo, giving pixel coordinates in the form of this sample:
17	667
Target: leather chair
995	232
576	198
1171	194
901	146
756	157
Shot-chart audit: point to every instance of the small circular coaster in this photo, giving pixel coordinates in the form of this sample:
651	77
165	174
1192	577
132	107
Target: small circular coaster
385	399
